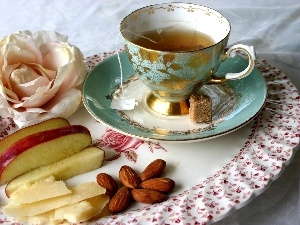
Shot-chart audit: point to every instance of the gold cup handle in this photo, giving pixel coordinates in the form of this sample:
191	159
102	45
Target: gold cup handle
249	50
231	52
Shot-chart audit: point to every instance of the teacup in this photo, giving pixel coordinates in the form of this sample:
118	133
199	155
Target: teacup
176	48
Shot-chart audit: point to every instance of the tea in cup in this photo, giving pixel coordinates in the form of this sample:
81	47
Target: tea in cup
176	48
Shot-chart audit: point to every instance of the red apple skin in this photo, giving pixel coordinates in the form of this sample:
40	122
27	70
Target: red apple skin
73	166
26	131
35	139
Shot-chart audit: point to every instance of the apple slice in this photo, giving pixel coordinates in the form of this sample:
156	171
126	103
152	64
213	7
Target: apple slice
45	125
88	159
41	149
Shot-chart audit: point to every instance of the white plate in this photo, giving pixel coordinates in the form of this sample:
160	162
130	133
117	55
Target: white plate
213	177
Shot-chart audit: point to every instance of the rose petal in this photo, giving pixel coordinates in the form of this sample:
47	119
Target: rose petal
63	105
22	75
29	89
25	73
42	37
13	54
19	47
36	110
41	96
7	72
55	55
50	74
8	95
71	75
71	70
24	80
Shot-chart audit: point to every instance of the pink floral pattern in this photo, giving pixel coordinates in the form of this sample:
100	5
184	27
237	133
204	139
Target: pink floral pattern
7	126
269	147
121	143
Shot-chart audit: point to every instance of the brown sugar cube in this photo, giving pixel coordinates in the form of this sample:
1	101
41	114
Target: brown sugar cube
200	108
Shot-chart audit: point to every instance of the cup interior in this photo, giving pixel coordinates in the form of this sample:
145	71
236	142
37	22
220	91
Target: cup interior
175	15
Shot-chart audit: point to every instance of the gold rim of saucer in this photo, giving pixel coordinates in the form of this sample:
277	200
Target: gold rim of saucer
167	108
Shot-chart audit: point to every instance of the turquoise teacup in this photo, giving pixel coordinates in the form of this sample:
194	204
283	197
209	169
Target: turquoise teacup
176	48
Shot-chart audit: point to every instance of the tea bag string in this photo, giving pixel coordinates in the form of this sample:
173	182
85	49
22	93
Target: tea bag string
123	103
118	55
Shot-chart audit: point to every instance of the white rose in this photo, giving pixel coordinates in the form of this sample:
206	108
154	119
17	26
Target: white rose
41	76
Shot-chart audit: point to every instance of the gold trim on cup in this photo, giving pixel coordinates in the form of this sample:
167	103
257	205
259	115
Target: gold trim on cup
162	106
135	11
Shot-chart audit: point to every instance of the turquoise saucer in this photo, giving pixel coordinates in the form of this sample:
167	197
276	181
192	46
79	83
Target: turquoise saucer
234	103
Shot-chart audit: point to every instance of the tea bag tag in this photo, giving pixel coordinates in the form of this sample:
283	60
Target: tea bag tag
123	104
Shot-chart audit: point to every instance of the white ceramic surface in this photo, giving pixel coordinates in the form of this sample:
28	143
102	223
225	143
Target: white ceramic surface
214	177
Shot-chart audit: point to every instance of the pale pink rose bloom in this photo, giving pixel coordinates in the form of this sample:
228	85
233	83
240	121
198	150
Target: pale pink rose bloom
41	76
119	142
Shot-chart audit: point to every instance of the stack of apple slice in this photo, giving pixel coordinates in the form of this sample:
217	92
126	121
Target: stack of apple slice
54	149
86	160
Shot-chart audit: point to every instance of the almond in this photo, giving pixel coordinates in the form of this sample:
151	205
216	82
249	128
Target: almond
129	177
165	185
148	196
109	183
154	169
120	200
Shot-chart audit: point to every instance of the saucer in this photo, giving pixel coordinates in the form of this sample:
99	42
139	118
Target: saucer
234	103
